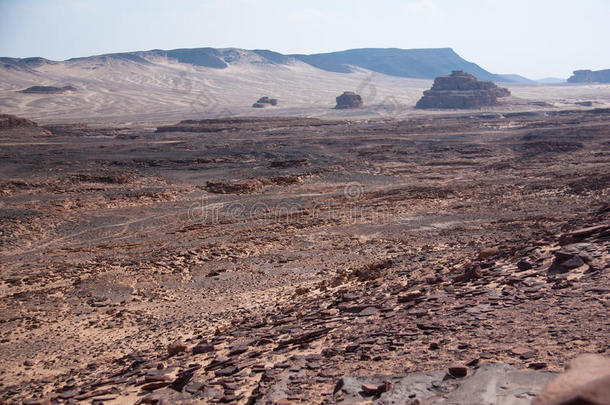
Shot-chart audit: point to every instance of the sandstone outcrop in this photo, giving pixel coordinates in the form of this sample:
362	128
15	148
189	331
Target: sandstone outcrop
461	90
349	100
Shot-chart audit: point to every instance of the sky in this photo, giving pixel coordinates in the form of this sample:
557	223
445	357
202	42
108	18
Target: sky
534	38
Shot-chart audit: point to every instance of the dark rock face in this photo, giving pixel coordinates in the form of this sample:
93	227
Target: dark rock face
349	100
461	90
47	89
590	76
265	102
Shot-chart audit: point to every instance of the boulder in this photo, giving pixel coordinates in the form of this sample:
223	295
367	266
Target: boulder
461	90
349	100
176	348
586	381
570	257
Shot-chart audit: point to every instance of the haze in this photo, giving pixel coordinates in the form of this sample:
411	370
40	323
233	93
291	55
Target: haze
535	39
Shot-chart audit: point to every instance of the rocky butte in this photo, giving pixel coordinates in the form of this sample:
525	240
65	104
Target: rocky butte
590	76
461	90
348	100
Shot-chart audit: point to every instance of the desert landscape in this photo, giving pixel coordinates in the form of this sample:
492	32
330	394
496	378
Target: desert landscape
160	89
372	226
261	260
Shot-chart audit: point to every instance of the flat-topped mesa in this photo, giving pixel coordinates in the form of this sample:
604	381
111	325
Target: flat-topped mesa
461	90
348	100
589	76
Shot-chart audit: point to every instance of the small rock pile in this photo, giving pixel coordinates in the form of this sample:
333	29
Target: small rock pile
461	90
265	102
349	100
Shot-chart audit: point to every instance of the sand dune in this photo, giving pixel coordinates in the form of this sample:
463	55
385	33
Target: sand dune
115	90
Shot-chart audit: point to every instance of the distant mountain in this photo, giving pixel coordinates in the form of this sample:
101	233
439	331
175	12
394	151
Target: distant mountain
410	63
590	76
521	79
23	64
413	63
515	78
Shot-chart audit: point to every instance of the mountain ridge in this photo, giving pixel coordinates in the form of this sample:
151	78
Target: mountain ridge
422	63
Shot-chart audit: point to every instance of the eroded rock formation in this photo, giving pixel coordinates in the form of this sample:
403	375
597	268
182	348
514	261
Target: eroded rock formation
461	90
348	100
10	121
590	76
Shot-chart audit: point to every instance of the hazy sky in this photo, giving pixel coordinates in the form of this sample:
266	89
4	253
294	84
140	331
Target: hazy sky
535	38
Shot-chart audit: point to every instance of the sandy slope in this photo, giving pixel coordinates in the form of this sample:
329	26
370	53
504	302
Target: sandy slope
121	91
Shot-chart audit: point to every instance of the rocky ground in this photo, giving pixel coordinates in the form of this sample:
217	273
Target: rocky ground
303	261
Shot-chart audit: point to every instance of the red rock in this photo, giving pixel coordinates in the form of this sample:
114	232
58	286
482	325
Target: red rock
472	273
370	389
582	233
176	347
95	393
301	291
156	378
523	352
155	385
586	381
202	348
385	387
409	296
489	252
458	371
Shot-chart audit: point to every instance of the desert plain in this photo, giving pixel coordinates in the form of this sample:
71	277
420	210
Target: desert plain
292	254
